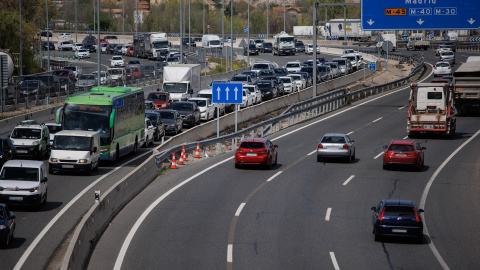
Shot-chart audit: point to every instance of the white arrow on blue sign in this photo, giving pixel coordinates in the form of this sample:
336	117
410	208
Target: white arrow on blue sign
227	93
371	66
246	29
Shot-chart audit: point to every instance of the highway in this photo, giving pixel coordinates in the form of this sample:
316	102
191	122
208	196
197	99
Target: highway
305	214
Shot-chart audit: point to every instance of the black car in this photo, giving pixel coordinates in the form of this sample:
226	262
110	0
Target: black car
89	47
52	83
253	75
110	48
7	225
267	47
157	122
189	111
46	33
118	49
163	55
7	150
299	46
252	49
267	88
265	73
397	218
32	87
66	84
90	40
172	120
148	70
280	72
45	47
186	42
309	70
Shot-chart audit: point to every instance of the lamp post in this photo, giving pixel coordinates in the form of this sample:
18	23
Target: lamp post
136	17
181	32
76	24
21	43
284	13
248	35
189	26
315	6
231	33
99	47
123	16
203	27
268	7
48	37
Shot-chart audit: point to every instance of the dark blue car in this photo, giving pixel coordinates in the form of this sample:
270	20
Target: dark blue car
397	218
7	225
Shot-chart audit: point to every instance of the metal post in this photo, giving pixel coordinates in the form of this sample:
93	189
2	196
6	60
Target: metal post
248	34
387	56
99	48
189	26
181	30
223	32
136	17
326	19
48	38
315	5
284	13
76	24
21	43
203	27
345	20
268	7
231	32
123	16
94	11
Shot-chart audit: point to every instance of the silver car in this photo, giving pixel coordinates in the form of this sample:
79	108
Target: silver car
336	145
447	56
334	68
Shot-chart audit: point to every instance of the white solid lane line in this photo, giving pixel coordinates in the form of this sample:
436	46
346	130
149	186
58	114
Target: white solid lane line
348	180
273	177
379	155
50	224
311	153
378	119
351	132
406	137
134	229
230	253
423	199
402	107
334	261
239	210
327	215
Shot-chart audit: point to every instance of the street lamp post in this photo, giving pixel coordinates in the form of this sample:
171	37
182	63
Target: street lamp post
136	17
231	33
268	7
48	37
181	31
99	47
123	16
315	6
21	43
248	35
76	24
203	27
284	13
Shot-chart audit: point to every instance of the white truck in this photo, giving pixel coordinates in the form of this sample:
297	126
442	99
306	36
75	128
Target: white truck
181	81
352	29
417	43
149	45
211	41
283	43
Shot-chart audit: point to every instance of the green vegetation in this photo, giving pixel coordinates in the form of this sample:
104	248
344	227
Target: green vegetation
220	65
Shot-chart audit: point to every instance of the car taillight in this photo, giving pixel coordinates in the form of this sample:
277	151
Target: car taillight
389	153
449	67
381	216
345	146
435	68
262	152
320	145
240	151
417	218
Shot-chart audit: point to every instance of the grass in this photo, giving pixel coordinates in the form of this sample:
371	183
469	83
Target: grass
220	65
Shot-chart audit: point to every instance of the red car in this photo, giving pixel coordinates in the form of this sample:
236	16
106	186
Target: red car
133	73
160	99
256	151
102	41
130	51
403	152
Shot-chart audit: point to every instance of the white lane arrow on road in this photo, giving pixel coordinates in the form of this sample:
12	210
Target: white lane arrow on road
370	22
226	90
471	21
420	21
218	93
236	93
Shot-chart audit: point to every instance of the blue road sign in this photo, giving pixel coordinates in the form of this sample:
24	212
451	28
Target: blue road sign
227	93
246	29
371	66
418	14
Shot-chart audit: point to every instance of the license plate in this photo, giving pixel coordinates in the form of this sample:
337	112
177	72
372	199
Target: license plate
400	155
428	126
15	198
399	231
22	151
251	154
67	166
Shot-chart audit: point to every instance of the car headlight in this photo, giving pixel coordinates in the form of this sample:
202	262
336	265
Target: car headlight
188	115
82	161
34	189
35	143
53	160
3	227
172	125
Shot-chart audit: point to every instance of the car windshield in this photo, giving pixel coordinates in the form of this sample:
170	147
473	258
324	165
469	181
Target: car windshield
19	174
401	147
239	78
447	53
442	65
152	117
60	73
209	96
293	65
116	71
117	58
260	66
54	129
30	83
87	77
167	115
73	143
267	45
322	69
399	211
157	97
26	133
175	87
307	69
264	84
295	77
333	139
280	70
266	72
285	80
200	103
182	107
252	145
299	44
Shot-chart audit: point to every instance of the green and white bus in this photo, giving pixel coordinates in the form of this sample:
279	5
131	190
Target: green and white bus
117	113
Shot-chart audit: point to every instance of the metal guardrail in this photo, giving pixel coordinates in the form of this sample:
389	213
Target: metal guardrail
296	113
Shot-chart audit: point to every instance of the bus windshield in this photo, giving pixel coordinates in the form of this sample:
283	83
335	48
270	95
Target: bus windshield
88	117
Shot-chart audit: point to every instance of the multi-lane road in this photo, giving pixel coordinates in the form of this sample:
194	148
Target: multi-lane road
302	214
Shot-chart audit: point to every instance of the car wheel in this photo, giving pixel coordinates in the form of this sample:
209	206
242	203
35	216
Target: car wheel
237	166
276	160
6	242
378	237
44	202
353	157
419	239
385	166
319	158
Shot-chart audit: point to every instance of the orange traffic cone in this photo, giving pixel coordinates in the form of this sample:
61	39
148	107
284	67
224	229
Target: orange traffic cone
180	161
197	152
184	154
174	162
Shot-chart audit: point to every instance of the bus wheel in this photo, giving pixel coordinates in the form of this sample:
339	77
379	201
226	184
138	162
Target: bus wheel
135	147
117	154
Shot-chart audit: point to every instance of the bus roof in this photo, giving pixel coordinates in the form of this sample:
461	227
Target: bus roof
102	95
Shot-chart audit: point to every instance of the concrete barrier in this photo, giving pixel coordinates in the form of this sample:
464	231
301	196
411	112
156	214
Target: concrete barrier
42	116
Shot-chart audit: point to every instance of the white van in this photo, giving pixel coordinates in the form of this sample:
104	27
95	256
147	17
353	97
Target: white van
65	45
31	139
24	182
75	150
211	41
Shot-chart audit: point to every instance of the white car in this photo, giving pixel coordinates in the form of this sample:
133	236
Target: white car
117	61
103	47
442	68
293	66
125	48
207	109
247	98
442	48
299	80
64	35
117	74
82	53
77	46
289	85
53	128
149	133
255	92
76	70
105	78
309	49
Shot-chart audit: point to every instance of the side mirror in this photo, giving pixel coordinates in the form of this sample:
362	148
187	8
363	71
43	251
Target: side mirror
275	146
424	148
95	149
384	147
12	216
421	210
44	180
374	208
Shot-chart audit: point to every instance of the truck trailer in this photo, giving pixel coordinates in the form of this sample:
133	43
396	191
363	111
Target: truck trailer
466	80
149	45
